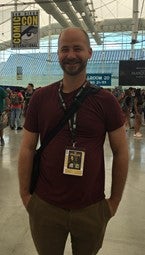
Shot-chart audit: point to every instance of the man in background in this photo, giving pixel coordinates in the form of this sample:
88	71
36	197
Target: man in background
16	101
27	97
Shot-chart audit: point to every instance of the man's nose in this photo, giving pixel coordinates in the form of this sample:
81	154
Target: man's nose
71	54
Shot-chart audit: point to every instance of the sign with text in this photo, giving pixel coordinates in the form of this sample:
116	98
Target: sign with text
132	72
25	29
100	79
19	72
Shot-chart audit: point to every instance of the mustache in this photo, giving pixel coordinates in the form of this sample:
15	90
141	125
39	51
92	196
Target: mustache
71	61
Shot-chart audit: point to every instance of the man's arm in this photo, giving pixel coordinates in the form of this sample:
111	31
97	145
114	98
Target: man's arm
119	147
25	162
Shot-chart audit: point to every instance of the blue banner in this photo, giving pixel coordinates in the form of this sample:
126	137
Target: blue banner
100	79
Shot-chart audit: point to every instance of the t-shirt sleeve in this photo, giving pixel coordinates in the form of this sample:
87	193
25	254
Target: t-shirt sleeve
113	113
31	120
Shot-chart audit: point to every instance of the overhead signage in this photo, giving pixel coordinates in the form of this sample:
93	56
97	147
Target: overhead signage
100	79
25	29
132	72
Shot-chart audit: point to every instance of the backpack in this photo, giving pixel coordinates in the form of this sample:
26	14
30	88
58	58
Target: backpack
15	99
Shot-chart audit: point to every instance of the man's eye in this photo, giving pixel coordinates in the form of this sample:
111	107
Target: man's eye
77	49
64	50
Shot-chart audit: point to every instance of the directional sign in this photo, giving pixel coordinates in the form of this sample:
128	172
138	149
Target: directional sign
100	79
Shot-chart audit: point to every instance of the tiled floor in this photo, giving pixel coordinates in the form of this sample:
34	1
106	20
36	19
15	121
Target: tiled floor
125	234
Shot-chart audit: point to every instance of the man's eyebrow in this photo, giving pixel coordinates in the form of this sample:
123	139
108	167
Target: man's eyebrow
67	46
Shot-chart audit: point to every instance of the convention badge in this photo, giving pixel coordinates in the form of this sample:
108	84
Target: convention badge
74	161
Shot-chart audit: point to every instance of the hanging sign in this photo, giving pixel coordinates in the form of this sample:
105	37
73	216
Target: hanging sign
25	29
132	72
100	79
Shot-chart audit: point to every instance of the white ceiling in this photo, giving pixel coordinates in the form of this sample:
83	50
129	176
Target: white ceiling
96	16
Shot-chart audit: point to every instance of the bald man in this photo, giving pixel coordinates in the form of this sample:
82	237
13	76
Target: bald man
70	198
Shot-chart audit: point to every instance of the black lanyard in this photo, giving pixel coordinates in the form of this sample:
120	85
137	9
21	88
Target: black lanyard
72	121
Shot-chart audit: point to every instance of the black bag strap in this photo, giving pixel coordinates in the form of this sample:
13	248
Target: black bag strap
72	109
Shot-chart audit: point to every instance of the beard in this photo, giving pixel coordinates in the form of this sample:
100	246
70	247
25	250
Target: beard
73	67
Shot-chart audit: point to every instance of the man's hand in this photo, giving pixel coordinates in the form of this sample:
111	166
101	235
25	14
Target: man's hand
113	205
26	199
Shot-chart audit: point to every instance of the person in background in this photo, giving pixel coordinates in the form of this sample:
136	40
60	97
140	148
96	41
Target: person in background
9	91
127	108
4	103
16	101
29	92
143	107
138	109
64	203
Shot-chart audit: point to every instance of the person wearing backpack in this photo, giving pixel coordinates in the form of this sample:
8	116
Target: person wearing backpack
16	100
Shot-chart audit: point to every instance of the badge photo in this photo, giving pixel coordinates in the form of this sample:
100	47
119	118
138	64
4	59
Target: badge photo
74	162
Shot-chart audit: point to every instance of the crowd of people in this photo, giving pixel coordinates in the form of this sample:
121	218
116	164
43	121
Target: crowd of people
14	103
132	102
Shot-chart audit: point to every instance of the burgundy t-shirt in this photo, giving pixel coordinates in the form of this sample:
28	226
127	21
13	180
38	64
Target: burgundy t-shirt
98	114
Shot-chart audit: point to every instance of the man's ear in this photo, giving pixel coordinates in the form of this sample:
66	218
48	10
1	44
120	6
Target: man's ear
90	53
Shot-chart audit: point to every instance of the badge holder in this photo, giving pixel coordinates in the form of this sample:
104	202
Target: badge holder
74	161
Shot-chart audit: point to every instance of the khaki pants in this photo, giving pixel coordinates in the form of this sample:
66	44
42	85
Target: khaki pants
51	225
